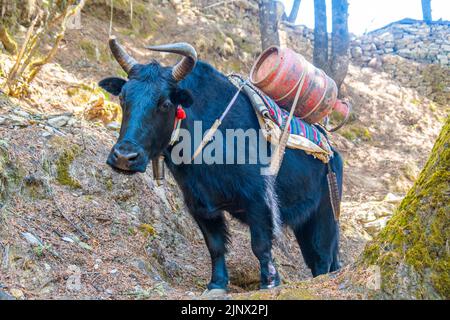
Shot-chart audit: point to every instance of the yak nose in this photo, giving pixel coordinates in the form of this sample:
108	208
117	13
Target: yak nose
124	156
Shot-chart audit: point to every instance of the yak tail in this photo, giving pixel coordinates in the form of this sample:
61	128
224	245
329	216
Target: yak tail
271	200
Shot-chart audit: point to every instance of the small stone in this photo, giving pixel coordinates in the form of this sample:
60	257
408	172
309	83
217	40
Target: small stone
31	239
49	129
84	245
376	226
135	210
21	113
374	63
16	293
113	126
59	121
18	121
356	52
68	239
367	47
47	134
73	282
443	60
366	217
445	47
392	198
386	37
113	271
2	120
71	122
97	263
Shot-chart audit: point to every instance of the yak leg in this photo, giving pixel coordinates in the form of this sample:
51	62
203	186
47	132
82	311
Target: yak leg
261	230
214	231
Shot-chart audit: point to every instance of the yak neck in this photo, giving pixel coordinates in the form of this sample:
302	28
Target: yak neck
211	91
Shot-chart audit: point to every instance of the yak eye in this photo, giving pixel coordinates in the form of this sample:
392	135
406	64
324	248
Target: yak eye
165	106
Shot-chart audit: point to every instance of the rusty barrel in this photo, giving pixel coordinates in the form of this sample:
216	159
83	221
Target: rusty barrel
279	72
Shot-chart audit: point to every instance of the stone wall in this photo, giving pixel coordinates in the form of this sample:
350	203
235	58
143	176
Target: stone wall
411	39
430	80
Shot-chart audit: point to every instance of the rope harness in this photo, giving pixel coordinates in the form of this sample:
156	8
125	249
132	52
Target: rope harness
208	136
277	159
275	162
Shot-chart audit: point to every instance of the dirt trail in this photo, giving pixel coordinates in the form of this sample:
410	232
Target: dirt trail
99	235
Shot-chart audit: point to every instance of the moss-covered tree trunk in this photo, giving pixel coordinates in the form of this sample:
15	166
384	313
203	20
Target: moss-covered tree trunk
412	252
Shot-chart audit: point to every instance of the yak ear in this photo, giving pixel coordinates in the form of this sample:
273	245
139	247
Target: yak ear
182	97
113	85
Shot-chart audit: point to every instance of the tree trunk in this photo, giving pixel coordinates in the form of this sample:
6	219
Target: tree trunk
320	54
412	250
340	42
268	23
426	11
18	11
294	11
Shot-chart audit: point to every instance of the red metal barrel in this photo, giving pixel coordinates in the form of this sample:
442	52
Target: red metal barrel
279	72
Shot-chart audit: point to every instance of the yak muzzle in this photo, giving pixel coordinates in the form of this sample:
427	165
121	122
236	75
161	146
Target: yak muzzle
127	156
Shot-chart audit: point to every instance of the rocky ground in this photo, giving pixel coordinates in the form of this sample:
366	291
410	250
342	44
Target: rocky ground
72	228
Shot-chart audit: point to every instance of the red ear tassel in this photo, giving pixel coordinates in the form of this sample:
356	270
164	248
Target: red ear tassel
181	114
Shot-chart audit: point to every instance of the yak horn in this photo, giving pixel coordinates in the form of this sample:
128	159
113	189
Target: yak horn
123	58
182	68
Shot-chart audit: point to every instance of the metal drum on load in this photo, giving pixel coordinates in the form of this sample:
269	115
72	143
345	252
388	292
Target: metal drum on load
279	72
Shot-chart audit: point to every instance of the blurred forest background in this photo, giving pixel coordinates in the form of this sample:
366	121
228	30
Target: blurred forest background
72	228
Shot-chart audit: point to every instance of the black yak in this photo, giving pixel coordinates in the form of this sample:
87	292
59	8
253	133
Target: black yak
298	197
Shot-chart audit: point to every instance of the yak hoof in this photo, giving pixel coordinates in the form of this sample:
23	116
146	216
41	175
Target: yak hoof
214	293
